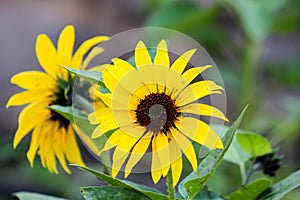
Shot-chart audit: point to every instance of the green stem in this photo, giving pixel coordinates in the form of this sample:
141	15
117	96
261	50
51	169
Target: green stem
171	190
243	172
250	58
86	105
251	171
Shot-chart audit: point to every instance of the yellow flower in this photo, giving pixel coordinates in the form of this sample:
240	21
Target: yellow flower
153	106
52	136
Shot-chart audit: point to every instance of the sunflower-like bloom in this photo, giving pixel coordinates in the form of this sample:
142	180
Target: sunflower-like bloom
153	107
52	136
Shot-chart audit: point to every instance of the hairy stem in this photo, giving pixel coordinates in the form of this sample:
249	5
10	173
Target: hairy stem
171	190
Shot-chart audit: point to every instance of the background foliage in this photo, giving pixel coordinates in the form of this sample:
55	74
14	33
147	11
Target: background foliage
255	44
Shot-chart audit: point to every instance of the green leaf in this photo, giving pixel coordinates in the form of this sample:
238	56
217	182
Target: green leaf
207	195
251	191
81	121
236	154
111	193
256	16
254	144
149	192
194	182
278	190
92	76
34	196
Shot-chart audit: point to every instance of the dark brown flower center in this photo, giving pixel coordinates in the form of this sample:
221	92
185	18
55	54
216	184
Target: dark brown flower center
157	112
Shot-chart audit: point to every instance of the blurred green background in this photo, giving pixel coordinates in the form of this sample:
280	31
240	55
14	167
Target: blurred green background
255	44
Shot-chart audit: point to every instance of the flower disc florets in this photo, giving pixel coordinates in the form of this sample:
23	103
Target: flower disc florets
157	112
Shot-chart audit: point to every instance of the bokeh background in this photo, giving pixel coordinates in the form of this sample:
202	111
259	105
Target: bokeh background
255	44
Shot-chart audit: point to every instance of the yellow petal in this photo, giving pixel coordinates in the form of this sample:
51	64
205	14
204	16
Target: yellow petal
181	62
84	48
65	46
50	157
162	56
93	118
29	117
113	140
192	73
103	116
123	117
87	140
153	75
176	161
94	52
112	76
156	171
203	110
119	158
199	131
163	152
125	144
71	148
176	170
59	151
99	68
43	141
27	97
106	98
33	80
137	153
46	54
198	90
175	82
141	55
34	144
186	146
97	132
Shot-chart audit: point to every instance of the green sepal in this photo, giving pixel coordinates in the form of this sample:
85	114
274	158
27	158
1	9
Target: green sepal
91	76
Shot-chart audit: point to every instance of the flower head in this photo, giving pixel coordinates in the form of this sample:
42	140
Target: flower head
153	107
52	136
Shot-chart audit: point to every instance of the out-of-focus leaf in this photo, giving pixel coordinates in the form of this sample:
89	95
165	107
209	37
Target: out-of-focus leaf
92	76
149	192
189	18
251	191
278	190
256	16
254	144
285	73
111	193
194	182
34	196
154	4
288	19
